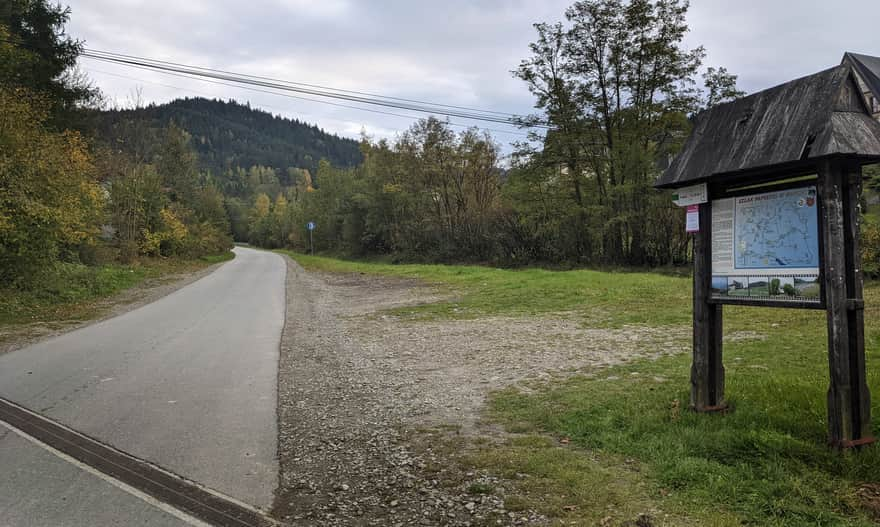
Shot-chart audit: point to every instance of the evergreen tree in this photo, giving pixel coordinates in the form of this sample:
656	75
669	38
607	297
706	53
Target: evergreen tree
37	55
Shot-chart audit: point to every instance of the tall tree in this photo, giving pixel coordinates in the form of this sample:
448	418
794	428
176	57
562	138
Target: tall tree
50	202
178	165
616	85
136	202
32	32
720	86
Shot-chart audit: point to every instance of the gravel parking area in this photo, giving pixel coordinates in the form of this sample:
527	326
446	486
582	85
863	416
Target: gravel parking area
363	396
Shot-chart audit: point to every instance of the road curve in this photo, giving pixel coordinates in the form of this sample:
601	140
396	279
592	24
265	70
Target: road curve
187	382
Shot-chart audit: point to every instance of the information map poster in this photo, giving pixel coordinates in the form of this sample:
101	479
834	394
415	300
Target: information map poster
766	246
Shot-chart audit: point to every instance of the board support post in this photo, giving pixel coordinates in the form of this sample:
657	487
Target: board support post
707	369
849	401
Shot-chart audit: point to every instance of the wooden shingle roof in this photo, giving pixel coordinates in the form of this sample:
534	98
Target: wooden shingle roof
804	119
868	68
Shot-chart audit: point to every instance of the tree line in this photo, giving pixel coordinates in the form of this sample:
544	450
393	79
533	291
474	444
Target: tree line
431	194
616	86
64	198
226	134
618	89
613	82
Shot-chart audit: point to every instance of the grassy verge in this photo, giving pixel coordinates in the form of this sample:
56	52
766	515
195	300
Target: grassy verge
70	291
601	298
606	445
764	463
217	258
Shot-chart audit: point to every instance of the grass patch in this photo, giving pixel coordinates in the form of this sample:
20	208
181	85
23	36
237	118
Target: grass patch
69	292
764	463
621	442
578	488
217	258
602	299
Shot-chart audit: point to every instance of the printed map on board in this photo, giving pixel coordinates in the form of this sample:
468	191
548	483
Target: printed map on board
777	230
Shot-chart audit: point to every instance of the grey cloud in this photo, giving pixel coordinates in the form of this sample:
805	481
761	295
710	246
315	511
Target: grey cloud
455	51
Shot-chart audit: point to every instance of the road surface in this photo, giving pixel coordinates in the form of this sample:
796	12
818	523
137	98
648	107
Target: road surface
41	489
187	382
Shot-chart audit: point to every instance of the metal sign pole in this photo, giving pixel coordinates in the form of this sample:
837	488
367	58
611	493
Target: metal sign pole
311	227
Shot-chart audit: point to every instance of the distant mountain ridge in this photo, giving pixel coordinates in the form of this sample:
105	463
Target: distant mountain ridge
228	134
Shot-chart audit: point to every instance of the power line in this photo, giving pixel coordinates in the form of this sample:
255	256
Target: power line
179	69
412	117
512	120
318	86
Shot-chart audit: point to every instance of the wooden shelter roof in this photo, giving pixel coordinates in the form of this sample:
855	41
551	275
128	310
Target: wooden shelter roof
797	122
868	68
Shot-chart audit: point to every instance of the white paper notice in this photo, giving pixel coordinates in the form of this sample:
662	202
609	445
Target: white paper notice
692	219
722	236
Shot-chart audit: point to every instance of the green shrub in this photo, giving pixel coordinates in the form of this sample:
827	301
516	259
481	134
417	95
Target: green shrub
97	254
870	245
128	251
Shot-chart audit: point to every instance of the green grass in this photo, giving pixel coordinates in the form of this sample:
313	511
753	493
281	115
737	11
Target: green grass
69	292
872	212
765	462
603	299
621	440
578	487
62	291
217	258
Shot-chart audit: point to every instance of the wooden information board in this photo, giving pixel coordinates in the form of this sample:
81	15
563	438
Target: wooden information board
776	179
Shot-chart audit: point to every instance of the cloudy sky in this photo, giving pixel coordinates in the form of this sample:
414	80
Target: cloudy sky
452	51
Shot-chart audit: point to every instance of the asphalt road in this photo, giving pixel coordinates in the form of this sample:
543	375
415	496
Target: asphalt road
187	382
39	489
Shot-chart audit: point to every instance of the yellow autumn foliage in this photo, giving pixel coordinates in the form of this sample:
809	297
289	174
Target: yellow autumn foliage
173	226
49	196
261	205
172	235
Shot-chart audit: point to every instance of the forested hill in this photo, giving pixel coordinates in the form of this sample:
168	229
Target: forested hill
228	135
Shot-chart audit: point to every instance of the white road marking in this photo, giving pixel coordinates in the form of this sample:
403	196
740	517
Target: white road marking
180	515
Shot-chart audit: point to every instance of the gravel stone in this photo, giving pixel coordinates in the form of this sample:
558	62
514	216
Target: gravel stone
359	387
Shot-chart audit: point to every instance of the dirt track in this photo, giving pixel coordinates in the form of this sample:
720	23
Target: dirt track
358	388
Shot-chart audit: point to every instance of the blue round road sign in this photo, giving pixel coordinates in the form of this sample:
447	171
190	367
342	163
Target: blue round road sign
311	225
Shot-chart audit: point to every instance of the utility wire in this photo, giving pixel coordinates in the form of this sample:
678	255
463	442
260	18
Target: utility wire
411	117
308	89
512	120
317	86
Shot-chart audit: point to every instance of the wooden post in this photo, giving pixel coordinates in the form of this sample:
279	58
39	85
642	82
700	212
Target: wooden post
849	403
707	370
